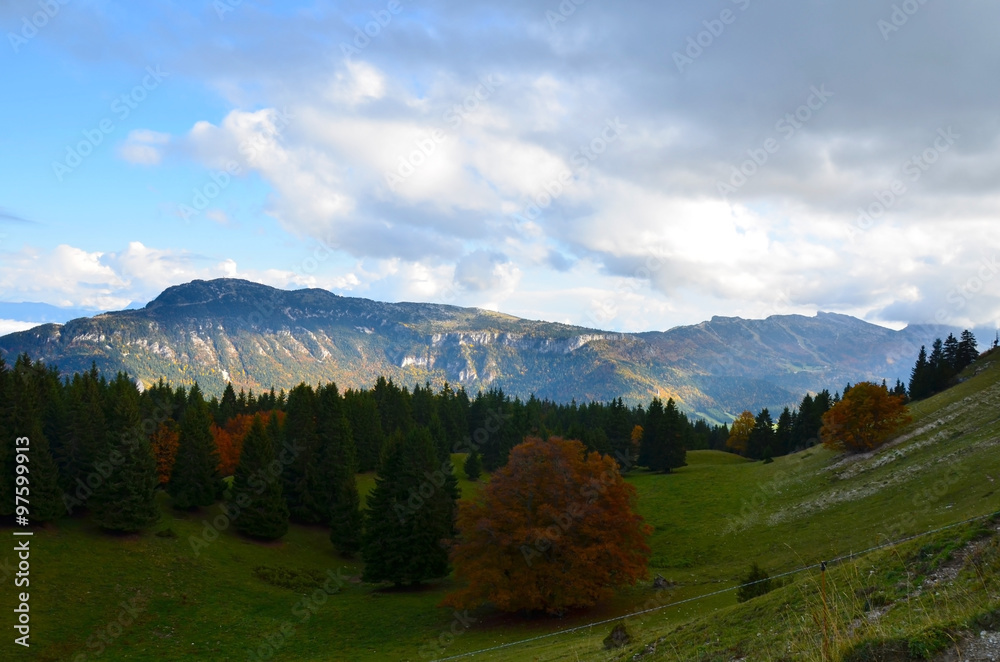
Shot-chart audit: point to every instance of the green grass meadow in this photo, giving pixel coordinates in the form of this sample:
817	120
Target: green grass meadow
155	597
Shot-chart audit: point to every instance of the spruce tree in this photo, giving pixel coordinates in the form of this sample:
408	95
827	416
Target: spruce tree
411	512
302	481
760	445
126	499
920	377
263	512
783	434
676	436
7	437
28	390
473	466
968	350
195	479
338	464
651	447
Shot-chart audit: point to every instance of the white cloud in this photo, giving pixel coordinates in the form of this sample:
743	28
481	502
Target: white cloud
143	147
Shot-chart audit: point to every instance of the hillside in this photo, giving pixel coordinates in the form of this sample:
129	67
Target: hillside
259	337
236	598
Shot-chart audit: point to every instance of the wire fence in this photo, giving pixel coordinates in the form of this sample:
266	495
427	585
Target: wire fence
820	564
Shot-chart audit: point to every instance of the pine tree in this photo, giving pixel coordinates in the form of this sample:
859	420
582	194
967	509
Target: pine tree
302	478
651	447
940	371
783	434
411	512
263	512
920	377
28	389
338	464
227	406
195	479
366	426
760	445
950	355
126	499
676	436
7	442
968	350
473	466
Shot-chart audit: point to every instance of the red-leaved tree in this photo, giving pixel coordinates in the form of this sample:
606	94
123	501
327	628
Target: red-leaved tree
864	419
556	528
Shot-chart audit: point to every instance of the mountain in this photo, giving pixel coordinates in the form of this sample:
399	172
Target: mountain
258	337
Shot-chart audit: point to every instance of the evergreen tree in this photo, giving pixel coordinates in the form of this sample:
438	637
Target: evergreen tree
7	437
921	385
950	355
126	500
676	436
783	434
968	350
651	453
28	388
473	466
940	371
307	498
366	426
263	512
227	406
338	464
760	445
195	479
404	529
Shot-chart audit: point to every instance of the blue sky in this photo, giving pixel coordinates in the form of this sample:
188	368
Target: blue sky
629	165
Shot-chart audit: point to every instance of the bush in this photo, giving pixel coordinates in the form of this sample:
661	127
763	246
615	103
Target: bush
757	582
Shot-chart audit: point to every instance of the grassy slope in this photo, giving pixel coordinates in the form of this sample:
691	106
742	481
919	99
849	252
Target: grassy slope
712	519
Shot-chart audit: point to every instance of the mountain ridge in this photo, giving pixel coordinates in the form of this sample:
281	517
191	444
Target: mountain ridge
257	337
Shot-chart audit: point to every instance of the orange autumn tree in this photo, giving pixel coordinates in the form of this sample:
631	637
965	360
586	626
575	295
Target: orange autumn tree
864	419
164	442
229	439
739	432
556	528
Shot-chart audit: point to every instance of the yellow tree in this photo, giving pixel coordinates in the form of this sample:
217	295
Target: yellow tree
864	419
739	432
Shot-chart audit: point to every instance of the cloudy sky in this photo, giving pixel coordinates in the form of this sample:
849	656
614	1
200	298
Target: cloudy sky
624	165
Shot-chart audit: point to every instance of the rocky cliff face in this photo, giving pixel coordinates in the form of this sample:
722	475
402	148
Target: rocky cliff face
259	337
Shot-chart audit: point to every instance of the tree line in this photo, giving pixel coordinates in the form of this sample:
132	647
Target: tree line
933	374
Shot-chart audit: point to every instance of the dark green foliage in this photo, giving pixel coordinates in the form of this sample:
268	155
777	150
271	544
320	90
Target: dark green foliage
934	373
665	437
303	488
7	437
411	512
257	489
755	583
29	387
337	465
761	444
366	426
195	479
299	580
473	466
125	500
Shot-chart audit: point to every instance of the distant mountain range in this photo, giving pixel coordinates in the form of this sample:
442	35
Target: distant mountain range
258	337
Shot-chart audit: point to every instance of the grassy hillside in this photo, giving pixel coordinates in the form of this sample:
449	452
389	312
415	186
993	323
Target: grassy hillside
712	519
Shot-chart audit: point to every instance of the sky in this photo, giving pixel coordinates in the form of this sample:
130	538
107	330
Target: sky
624	165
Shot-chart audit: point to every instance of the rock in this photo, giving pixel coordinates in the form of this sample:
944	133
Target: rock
660	582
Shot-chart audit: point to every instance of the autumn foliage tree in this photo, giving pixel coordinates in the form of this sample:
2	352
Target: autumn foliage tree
864	419
164	442
555	528
739	433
